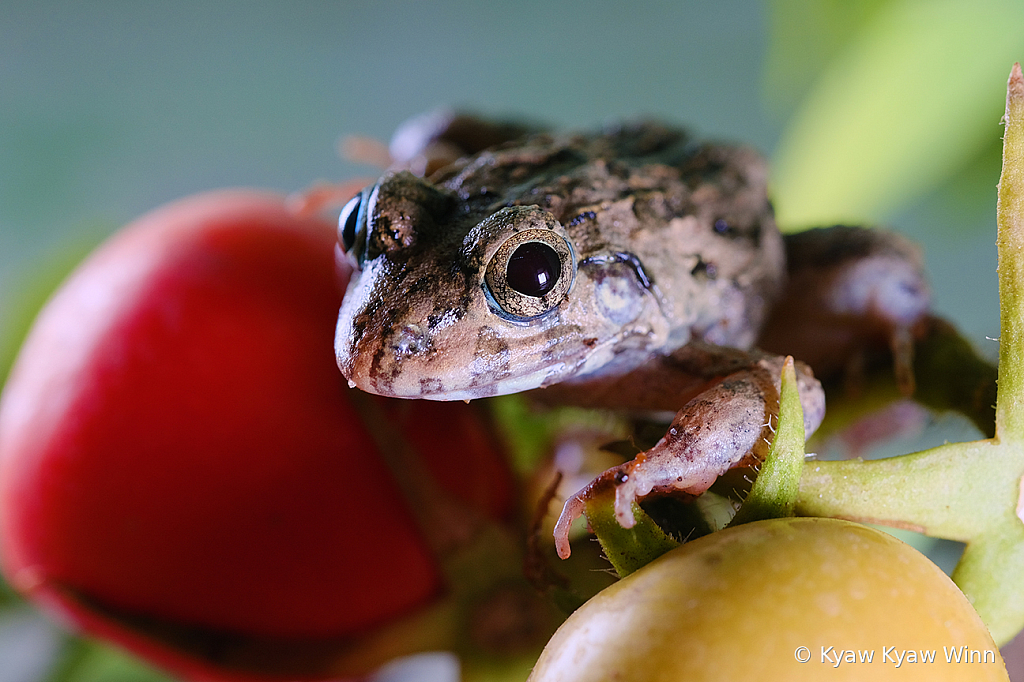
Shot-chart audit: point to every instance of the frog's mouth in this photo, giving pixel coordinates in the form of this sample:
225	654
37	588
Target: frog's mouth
413	362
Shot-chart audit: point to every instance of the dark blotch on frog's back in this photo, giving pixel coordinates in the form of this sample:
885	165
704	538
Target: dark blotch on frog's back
733	229
827	247
498	177
544	170
704	269
646	139
473	135
705	162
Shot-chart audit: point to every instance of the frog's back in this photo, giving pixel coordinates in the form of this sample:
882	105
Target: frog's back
695	216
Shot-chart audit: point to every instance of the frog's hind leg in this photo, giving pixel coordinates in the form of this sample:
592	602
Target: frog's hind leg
851	291
729	424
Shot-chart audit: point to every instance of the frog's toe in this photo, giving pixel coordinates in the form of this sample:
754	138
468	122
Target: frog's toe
572	510
620	479
626	493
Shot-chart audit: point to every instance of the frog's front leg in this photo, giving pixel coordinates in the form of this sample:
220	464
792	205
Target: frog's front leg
730	423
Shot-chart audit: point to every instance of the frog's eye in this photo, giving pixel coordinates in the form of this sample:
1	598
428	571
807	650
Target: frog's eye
533	269
348	222
352	226
530	273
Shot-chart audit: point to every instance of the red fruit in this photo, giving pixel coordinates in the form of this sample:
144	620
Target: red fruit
177	446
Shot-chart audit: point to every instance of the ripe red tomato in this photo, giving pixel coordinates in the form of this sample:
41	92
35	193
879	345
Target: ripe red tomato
177	445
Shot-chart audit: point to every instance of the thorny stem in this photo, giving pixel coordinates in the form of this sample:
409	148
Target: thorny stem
627	549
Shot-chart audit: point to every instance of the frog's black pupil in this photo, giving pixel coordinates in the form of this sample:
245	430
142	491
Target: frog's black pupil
348	222
533	269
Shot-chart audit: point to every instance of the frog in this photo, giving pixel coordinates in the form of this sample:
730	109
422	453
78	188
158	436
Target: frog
632	267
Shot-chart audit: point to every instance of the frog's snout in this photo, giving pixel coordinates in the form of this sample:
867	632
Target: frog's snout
368	361
397	363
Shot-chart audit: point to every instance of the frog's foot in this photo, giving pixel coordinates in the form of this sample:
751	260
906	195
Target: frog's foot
367	150
324	196
622	479
730	424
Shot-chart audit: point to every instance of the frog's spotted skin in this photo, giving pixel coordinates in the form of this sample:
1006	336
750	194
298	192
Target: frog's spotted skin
671	241
651	266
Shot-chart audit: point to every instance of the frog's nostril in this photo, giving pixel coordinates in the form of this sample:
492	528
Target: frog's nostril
411	340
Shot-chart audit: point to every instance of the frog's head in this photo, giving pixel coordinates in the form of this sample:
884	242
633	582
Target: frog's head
453	303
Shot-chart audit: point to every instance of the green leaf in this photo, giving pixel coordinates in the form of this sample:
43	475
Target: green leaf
774	492
804	37
911	97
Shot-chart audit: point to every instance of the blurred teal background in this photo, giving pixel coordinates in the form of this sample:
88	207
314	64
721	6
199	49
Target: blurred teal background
108	109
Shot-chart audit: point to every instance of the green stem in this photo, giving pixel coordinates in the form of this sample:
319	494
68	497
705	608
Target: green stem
955	491
968	491
1010	215
628	549
989	573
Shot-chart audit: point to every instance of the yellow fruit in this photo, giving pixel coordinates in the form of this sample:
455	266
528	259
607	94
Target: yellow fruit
783	599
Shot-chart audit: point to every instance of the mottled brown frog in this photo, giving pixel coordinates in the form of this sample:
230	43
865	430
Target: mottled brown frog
632	267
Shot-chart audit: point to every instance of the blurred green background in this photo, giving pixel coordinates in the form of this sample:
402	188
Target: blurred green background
874	111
